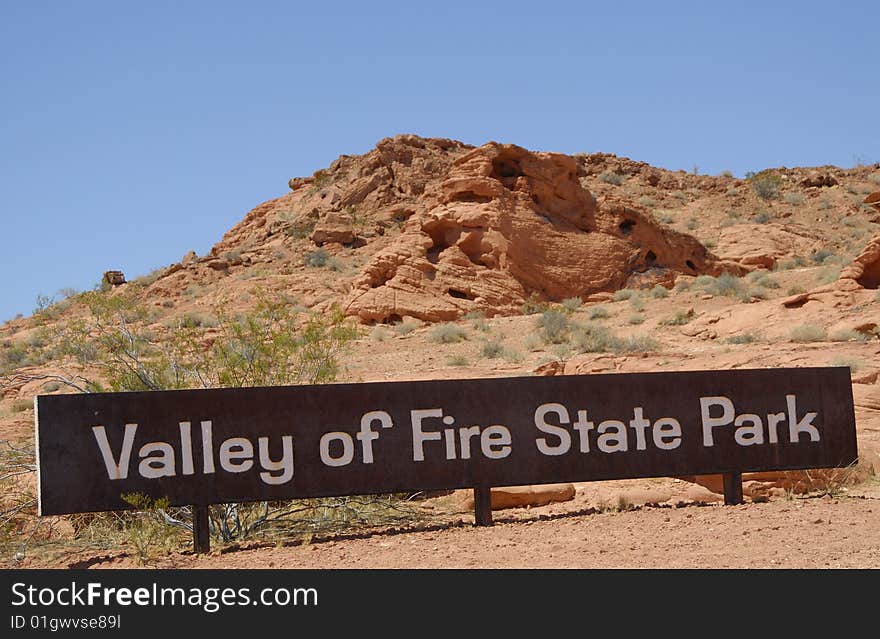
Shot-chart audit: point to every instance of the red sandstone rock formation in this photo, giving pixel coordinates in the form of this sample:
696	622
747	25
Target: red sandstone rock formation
506	224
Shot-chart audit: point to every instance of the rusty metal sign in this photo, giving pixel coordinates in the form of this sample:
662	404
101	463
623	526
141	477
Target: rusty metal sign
224	445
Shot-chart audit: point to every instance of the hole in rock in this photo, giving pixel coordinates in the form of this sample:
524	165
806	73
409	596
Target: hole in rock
469	196
626	226
454	292
690	265
650	257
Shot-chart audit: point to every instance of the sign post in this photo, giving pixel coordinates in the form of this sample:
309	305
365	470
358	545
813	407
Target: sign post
213	446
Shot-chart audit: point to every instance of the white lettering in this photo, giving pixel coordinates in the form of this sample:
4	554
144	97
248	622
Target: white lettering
116	470
710	422
562	434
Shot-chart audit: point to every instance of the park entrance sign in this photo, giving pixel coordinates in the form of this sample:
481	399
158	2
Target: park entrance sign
199	447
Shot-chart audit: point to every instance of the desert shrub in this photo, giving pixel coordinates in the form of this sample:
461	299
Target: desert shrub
571	304
755	293
635	319
447	333
848	335
724	285
609	177
692	224
762	278
599	312
379	334
271	344
822	255
407	326
659	292
665	217
478	321
828	274
794	198
807	333
742	338
492	349
534	305
682	285
624	294
680	318
681	196
301	229
534	342
22	405
198	320
647	202
795	262
458	360
147	529
636	302
765	184
762	217
593	338
554	327
795	290
317	259
636	344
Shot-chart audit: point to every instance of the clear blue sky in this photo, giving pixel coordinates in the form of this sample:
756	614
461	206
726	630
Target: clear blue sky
131	133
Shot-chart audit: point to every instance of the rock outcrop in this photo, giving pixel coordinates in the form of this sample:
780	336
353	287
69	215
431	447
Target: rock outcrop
863	273
506	224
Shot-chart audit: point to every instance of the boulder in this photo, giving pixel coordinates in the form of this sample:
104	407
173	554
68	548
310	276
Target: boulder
333	228
522	496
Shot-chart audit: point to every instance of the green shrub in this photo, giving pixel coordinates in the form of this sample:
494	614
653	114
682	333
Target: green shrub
822	255
848	335
807	333
317	258
554	327
766	184
534	343
636	344
593	338
571	304
458	360
406	326
762	217
762	278
795	262
624	294
659	292
599	312
534	305
680	318
447	333
492	349
829	274
724	285
795	290
609	177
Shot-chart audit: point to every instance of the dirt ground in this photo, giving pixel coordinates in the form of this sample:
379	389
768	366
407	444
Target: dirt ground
840	530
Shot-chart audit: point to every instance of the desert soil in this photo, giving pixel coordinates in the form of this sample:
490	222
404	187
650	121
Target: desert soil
839	530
